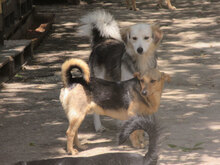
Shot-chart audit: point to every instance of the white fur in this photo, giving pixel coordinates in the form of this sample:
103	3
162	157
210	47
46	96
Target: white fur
99	72
103	21
139	31
96	118
97	123
108	28
125	73
64	92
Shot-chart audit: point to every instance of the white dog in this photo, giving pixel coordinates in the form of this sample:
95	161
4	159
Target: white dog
141	42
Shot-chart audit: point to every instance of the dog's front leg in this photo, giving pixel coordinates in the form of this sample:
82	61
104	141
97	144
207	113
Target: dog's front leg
97	123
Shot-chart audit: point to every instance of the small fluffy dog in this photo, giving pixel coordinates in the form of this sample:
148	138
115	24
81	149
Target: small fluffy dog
147	123
119	100
132	4
116	55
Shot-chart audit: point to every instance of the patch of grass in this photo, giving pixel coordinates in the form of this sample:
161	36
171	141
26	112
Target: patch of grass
172	145
31	144
187	149
18	76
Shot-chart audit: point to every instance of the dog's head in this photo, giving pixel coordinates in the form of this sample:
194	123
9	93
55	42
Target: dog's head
141	37
152	82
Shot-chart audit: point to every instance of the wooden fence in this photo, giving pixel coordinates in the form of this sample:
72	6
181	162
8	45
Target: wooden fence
12	12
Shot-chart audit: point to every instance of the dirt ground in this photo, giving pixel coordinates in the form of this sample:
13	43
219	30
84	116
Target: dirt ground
33	124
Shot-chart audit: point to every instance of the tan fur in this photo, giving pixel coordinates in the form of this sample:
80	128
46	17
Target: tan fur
77	103
168	3
137	139
158	34
131	4
120	114
75	62
154	89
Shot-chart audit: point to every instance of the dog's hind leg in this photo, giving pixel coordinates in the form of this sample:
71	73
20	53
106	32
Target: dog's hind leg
160	2
128	4
97	123
77	142
170	6
71	132
134	5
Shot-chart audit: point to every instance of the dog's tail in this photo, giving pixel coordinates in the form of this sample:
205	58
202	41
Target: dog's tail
99	25
149	125
71	64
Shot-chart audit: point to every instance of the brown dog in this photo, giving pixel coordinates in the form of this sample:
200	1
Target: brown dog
119	100
132	4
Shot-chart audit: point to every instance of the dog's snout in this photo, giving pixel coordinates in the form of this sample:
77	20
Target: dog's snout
144	92
140	50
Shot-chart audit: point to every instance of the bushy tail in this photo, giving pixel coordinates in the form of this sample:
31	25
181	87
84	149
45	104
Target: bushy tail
99	24
149	125
71	64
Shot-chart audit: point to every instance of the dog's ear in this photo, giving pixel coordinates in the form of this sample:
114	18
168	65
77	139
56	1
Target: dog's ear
137	75
125	32
166	77
157	33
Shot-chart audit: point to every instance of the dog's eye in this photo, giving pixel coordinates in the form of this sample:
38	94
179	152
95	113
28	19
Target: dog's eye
146	38
134	38
152	81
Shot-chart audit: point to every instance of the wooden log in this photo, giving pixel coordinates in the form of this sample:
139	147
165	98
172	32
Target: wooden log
74	2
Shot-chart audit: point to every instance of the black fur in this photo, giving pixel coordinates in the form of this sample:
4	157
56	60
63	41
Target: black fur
108	54
69	76
96	36
108	94
113	95
147	123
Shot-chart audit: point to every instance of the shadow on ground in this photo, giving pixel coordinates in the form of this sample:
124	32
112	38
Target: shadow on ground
32	122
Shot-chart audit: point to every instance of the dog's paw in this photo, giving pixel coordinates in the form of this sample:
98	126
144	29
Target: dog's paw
83	147
136	9
73	152
100	129
143	144
172	8
137	145
159	6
